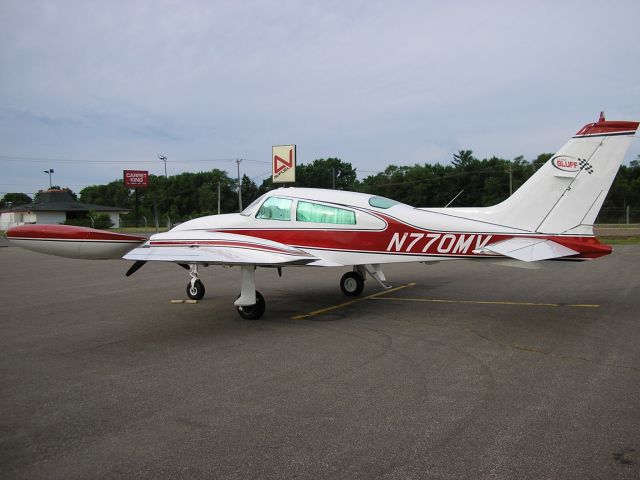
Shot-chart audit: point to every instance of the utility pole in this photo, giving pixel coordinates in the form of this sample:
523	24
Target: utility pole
164	159
238	160
333	177
218	197
627	214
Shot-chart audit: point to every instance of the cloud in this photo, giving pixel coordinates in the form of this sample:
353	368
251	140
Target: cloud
372	82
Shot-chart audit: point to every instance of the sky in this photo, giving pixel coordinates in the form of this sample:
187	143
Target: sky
89	88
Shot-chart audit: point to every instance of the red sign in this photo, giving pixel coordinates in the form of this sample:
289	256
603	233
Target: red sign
136	178
280	164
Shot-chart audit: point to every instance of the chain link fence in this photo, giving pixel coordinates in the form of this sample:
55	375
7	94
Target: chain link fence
623	216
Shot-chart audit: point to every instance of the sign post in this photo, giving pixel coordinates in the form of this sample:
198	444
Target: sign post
283	160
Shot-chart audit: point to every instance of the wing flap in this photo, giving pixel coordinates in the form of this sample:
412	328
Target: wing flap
530	249
217	248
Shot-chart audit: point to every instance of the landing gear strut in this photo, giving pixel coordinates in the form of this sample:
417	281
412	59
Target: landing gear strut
250	303
352	283
195	288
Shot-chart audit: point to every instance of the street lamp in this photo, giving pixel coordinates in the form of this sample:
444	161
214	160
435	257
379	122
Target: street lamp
50	171
164	159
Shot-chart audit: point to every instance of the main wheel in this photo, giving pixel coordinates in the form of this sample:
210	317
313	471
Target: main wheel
253	312
195	291
352	284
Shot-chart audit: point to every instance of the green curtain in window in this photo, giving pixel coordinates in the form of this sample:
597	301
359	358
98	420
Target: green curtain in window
314	212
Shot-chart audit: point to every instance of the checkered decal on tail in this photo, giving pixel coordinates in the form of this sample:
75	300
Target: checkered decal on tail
585	165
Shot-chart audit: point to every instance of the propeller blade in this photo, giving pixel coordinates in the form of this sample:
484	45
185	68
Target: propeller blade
135	267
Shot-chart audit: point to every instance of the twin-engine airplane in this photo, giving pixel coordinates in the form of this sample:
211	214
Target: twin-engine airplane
549	217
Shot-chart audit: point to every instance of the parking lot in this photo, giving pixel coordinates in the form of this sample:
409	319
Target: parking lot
463	370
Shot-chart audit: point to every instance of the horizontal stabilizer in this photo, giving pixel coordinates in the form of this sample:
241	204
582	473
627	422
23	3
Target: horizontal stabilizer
217	248
530	249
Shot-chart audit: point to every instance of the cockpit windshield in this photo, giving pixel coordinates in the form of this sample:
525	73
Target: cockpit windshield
252	206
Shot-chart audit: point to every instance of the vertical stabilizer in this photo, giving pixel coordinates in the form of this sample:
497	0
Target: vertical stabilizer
566	193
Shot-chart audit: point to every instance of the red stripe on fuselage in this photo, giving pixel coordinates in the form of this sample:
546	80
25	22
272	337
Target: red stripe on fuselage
399	238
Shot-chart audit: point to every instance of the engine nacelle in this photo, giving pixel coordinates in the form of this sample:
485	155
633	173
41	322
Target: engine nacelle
73	242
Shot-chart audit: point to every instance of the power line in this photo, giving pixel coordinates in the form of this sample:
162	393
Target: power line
13	158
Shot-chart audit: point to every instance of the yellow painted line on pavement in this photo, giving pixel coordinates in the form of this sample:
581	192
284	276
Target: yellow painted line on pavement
487	302
351	302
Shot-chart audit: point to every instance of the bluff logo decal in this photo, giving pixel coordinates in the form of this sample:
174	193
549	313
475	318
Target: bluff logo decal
571	165
566	164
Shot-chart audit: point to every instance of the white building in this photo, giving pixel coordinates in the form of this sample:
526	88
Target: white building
55	206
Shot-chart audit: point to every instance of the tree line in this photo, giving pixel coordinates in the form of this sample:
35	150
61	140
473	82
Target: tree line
466	181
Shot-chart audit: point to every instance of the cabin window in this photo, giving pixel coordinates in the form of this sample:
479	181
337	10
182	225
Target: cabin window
275	208
381	202
314	212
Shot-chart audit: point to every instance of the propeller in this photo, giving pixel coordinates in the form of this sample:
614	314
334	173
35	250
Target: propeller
140	263
135	267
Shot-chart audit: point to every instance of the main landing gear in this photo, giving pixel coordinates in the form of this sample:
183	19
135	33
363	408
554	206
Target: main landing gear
352	283
253	312
251	305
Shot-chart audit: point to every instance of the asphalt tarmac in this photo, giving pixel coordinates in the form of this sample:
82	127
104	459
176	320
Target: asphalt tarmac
466	370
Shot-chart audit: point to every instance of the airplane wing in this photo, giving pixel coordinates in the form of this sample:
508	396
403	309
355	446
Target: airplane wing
530	249
217	248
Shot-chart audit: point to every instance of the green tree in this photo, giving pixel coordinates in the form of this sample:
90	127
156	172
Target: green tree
250	191
183	196
55	187
15	199
463	158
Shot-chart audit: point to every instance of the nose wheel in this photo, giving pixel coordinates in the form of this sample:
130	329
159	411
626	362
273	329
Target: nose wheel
195	290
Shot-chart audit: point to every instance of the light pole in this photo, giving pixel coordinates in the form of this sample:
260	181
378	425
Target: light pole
50	171
164	159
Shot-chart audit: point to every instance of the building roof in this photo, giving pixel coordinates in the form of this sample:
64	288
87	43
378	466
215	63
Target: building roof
62	201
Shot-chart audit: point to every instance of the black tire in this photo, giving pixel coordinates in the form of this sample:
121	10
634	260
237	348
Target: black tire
253	312
352	284
197	291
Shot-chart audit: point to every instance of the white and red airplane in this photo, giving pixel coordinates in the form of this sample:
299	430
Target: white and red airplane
549	217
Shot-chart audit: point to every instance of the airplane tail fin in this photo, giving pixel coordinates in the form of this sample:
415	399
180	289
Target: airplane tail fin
565	195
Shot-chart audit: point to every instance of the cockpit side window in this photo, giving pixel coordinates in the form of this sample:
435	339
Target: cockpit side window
315	212
275	208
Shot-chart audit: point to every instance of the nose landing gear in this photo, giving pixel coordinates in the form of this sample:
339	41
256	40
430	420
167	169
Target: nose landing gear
195	288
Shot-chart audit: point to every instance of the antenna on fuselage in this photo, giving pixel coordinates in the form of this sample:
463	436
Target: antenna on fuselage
453	199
